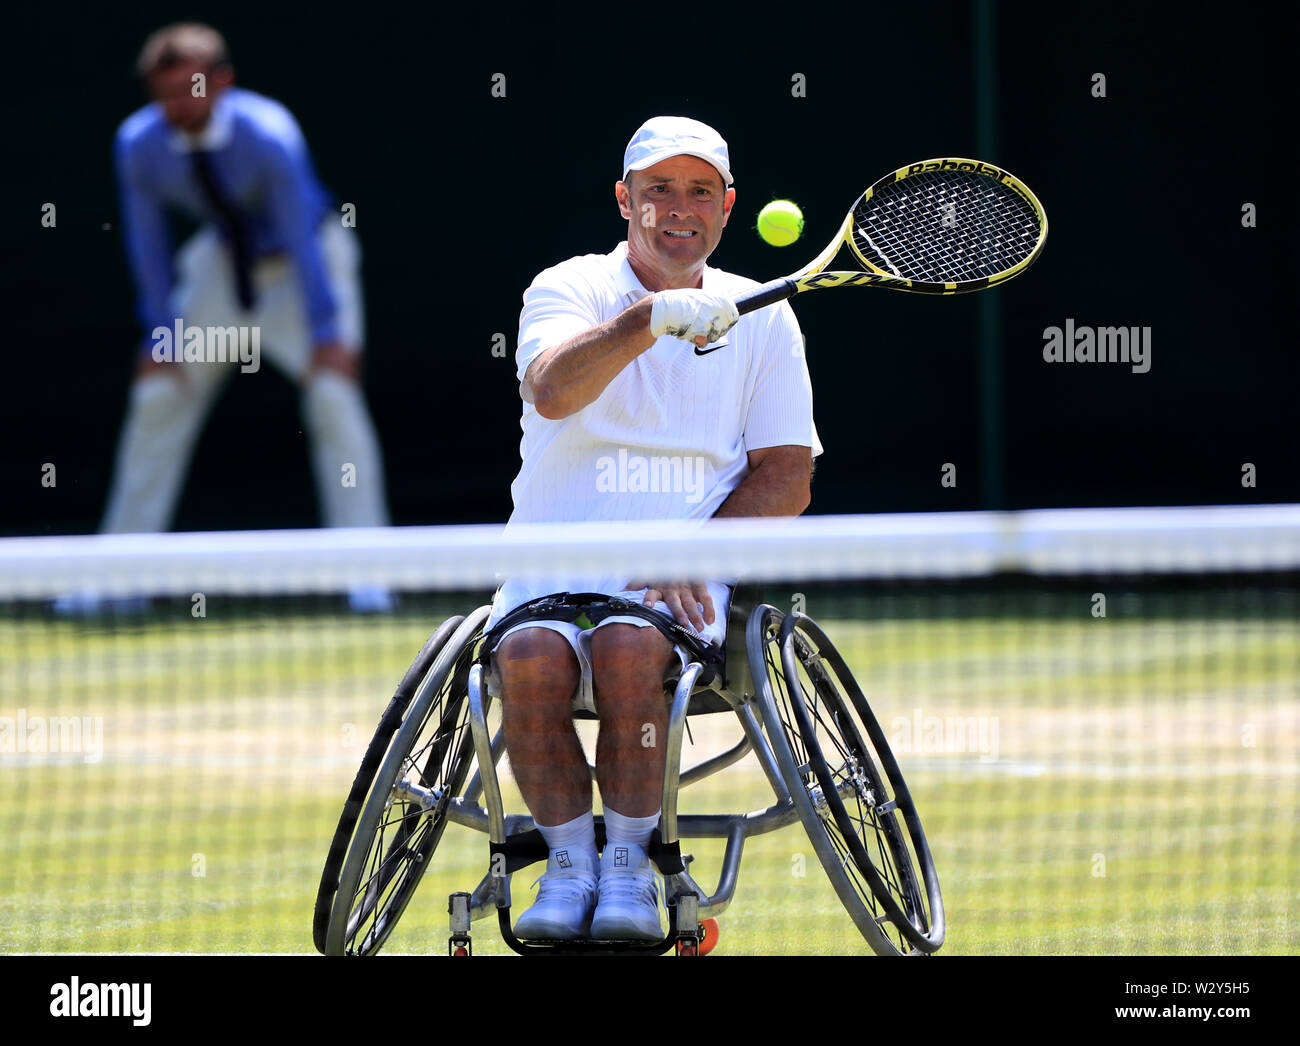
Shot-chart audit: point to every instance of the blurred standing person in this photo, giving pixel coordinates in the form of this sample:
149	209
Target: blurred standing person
270	259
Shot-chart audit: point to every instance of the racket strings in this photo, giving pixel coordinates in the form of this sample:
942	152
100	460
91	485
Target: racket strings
945	227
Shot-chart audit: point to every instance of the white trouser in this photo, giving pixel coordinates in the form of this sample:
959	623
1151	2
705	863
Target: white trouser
167	409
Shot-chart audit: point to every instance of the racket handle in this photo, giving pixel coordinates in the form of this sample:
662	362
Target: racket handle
768	294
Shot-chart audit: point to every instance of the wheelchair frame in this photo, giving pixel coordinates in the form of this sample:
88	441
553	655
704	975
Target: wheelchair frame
855	806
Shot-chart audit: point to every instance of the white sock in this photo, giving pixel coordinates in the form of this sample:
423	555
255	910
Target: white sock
626	839
572	844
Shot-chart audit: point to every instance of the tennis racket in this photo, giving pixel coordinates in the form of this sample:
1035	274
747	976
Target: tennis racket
937	227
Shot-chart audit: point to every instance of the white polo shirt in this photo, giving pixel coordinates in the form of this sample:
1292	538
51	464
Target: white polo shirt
668	437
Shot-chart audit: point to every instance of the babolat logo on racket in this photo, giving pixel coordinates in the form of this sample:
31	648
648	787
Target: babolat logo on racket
959	165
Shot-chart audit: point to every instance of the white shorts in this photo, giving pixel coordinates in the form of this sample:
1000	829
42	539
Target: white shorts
580	638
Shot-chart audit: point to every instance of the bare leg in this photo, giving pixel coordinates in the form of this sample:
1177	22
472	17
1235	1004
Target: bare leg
628	663
539	672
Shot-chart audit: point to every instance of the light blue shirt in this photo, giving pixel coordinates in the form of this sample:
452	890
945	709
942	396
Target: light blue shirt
262	164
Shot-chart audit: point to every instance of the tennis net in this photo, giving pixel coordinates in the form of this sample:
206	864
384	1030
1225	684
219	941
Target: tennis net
1097	713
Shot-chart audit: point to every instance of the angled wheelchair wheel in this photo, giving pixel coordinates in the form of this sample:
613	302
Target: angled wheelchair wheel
365	777
846	785
404	814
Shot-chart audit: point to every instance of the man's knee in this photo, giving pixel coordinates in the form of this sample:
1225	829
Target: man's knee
628	664
537	667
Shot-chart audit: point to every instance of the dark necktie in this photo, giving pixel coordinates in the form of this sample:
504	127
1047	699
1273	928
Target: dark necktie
234	223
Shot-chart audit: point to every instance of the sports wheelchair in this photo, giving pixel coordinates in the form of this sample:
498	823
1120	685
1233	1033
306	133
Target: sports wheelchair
433	761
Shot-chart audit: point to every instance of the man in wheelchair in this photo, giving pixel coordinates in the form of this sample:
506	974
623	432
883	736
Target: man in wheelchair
644	397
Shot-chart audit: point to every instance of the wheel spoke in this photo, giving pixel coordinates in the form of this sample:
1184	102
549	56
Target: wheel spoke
881	918
856	810
404	832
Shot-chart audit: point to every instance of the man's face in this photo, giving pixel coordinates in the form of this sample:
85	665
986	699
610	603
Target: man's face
676	211
175	87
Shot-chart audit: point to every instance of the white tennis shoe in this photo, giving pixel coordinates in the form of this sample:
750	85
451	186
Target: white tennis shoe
562	911
628	905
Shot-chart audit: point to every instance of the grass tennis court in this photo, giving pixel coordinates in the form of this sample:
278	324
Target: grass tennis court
1110	786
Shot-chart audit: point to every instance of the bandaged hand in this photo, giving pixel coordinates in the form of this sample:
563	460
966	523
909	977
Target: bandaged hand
692	315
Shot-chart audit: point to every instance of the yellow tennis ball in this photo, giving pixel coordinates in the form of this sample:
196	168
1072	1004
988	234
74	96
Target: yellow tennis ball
780	223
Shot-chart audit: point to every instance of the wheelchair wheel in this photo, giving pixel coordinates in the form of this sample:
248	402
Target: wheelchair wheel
397	834
846	785
370	762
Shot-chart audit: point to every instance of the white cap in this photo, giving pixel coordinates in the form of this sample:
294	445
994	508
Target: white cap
665	136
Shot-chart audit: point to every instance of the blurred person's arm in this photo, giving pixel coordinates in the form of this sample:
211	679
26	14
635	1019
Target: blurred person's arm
148	244
293	191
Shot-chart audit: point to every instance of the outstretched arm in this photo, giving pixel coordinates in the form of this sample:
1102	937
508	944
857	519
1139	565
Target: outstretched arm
566	378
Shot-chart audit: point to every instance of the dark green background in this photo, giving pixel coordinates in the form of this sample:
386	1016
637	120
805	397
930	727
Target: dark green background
462	198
